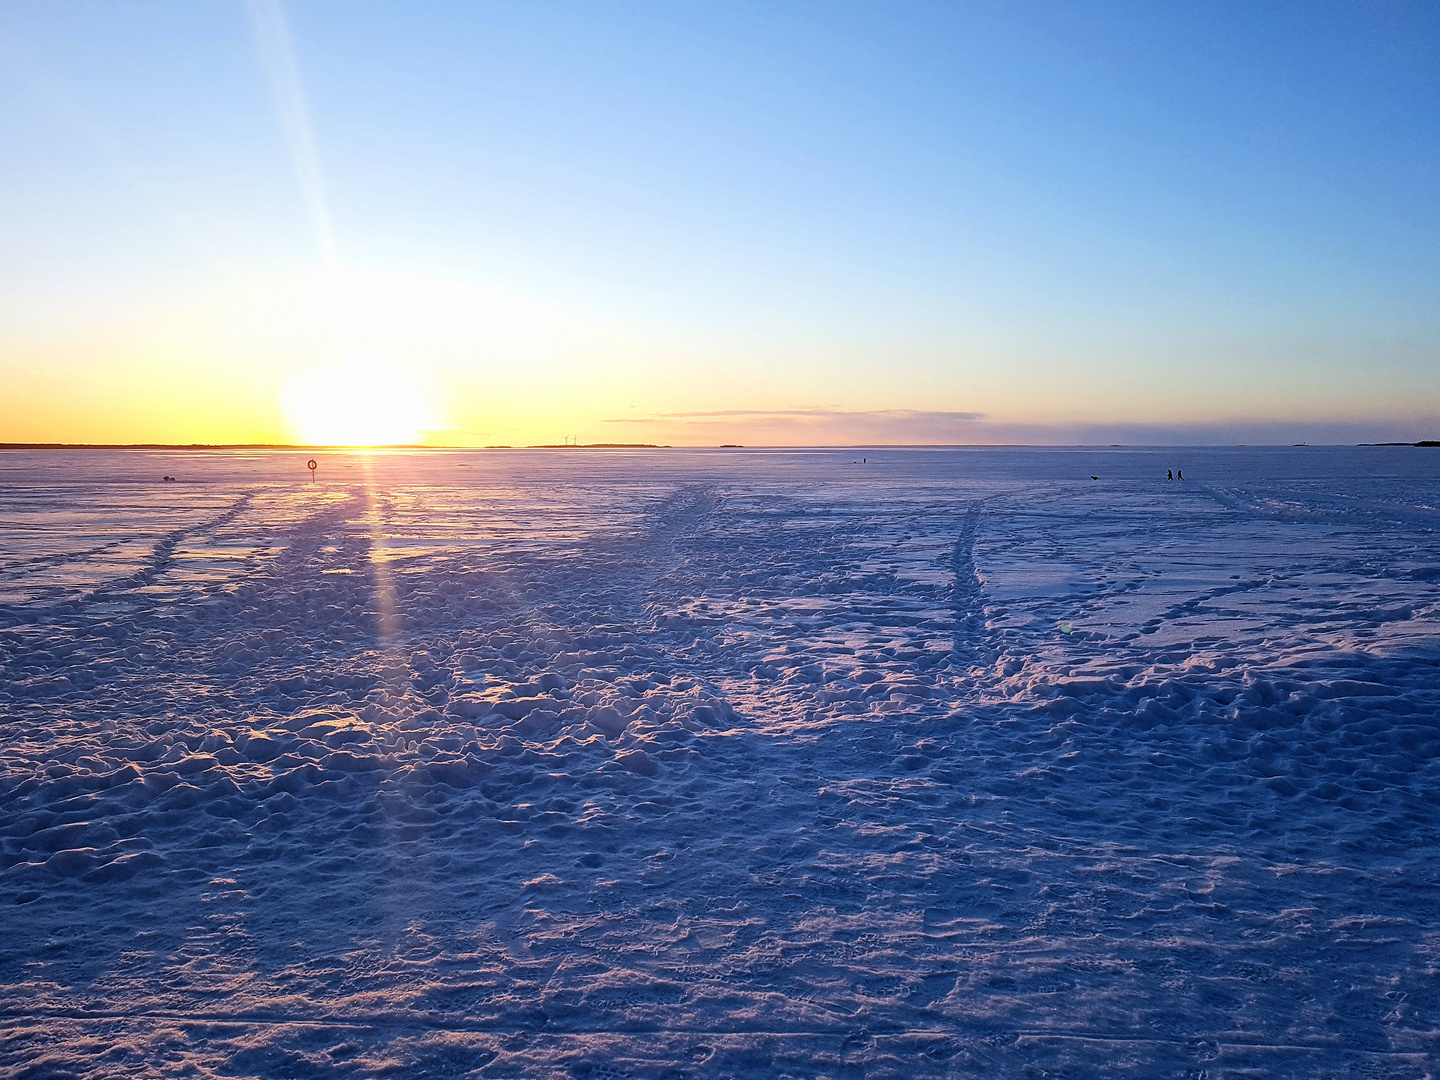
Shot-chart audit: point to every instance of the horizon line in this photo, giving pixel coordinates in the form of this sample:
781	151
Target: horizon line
342	448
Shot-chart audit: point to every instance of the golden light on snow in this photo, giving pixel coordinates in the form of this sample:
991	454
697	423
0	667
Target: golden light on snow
355	406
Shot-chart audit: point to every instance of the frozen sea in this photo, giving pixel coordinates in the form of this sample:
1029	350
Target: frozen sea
737	763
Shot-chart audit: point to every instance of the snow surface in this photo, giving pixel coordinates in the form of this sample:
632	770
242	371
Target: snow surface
721	764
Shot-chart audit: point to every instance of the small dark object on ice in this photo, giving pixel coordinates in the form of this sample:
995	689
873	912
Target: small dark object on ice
170	478
1179	475
1169	474
1094	478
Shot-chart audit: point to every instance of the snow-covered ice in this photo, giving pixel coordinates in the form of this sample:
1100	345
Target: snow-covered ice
721	764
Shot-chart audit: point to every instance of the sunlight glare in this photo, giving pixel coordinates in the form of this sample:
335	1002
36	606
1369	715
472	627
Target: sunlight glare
355	406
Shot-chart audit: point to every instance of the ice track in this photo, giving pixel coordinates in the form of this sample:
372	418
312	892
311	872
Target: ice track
734	765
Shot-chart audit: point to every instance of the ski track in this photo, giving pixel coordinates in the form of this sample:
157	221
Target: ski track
732	765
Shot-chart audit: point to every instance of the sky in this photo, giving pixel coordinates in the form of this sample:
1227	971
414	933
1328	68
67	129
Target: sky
682	223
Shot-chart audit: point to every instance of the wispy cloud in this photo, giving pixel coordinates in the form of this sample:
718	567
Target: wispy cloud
920	427
814	426
819	415
913	415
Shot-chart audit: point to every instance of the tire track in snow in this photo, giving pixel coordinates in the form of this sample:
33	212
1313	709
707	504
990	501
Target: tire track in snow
161	558
973	644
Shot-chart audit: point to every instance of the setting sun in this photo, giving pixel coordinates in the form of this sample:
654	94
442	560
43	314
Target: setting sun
355	406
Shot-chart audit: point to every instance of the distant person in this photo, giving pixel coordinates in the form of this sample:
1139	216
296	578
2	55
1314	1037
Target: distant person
1169	474
1179	474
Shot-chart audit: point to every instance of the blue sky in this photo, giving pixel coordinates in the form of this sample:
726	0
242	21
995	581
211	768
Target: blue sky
725	222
